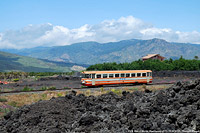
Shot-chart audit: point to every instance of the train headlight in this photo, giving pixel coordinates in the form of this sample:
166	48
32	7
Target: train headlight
83	81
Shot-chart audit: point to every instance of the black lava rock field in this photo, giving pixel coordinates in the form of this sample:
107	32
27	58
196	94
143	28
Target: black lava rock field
176	108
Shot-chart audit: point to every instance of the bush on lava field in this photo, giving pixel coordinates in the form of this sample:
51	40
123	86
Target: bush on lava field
176	108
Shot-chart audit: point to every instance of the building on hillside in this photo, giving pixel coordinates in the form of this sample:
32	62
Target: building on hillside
153	57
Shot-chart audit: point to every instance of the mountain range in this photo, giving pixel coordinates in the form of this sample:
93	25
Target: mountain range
122	51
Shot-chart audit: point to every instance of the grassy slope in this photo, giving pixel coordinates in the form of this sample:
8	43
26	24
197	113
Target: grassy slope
12	62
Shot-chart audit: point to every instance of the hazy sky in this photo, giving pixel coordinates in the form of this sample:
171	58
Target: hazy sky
30	23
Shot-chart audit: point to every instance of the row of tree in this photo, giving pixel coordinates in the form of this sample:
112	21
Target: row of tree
156	65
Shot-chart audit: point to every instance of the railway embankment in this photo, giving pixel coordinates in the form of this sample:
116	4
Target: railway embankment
174	109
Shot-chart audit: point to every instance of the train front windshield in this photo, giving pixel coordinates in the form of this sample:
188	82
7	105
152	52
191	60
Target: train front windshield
86	75
89	76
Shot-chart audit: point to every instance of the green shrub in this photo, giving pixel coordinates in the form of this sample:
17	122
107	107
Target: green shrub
66	88
102	89
59	95
4	109
13	103
52	88
144	86
83	86
117	91
27	89
44	96
44	88
88	92
3	100
133	89
15	80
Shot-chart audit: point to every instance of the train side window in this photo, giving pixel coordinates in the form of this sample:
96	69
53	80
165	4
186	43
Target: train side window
148	74
116	75
144	75
133	75
105	75
111	75
138	74
98	76
93	76
127	74
122	74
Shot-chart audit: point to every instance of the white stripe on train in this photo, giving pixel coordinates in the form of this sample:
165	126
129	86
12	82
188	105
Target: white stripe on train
120	79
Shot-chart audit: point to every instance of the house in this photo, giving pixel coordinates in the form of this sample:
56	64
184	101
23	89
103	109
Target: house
153	57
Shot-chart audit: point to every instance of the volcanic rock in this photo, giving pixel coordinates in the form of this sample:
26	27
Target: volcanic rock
175	108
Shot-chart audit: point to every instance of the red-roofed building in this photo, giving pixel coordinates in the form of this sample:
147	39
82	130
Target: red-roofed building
153	57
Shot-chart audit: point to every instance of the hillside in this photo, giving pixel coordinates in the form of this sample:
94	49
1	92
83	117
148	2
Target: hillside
13	62
122	51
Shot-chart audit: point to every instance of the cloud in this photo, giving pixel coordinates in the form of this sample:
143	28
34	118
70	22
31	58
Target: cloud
106	31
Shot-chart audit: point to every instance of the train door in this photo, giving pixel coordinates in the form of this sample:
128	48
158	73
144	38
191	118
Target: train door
93	79
148	76
148	79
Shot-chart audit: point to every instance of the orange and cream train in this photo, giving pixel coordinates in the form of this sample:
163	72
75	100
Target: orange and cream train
98	78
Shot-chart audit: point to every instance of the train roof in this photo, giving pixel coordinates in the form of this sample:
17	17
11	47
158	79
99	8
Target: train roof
116	71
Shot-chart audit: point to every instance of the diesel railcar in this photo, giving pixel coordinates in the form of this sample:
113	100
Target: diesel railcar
99	78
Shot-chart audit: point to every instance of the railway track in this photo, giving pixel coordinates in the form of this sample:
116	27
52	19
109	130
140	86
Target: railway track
107	87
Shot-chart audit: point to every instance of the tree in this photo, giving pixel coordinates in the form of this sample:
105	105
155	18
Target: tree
196	57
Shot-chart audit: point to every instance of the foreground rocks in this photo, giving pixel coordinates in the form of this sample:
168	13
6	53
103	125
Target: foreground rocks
176	108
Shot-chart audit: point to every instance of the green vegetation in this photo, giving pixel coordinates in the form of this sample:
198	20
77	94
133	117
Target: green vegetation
88	92
44	88
13	104
3	100
51	88
4	109
48	88
156	65
66	88
117	91
13	75
49	73
44	96
59	95
133	89
27	89
12	62
16	80
102	89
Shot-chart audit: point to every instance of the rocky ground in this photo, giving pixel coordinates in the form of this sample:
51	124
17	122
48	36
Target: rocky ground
176	108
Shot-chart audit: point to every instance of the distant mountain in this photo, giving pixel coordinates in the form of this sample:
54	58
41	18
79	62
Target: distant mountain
13	62
25	51
122	51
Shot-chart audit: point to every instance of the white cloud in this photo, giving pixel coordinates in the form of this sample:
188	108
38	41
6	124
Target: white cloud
1	36
106	31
